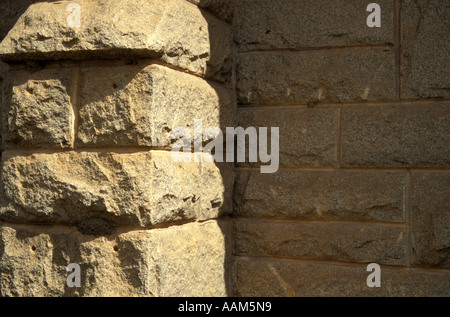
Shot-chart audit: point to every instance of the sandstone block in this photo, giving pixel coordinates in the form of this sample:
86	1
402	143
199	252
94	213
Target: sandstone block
430	219
177	261
321	241
266	24
141	105
224	9
425	60
396	135
11	11
307	137
315	76
141	188
172	30
37	109
256	278
316	195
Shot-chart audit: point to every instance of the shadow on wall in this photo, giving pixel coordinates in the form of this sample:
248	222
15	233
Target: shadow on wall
116	81
9	14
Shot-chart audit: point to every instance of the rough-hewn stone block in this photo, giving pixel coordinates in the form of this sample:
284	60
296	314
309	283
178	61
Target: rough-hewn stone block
172	30
315	76
425	60
256	278
396	135
10	12
140	188
341	195
3	71
307	137
430	218
223	9
322	241
37	109
185	260
143	104
268	24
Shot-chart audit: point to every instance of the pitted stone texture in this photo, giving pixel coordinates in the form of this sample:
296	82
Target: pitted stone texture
322	195
141	105
307	136
10	11
185	260
430	219
321	241
141	188
290	24
37	109
425	60
396	135
223	9
172	30
259	278
315	76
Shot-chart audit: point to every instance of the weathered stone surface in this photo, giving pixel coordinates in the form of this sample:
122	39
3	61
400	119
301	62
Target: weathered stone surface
37	109
315	76
3	71
178	261
223	9
321	241
192	260
255	278
307	137
396	135
143	104
430	218
172	30
340	195
141	188
267	24
425	62
10	11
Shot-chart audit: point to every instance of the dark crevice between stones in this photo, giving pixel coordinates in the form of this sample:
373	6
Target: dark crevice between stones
96	227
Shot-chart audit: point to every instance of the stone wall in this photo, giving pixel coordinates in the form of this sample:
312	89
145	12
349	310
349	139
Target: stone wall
364	123
87	174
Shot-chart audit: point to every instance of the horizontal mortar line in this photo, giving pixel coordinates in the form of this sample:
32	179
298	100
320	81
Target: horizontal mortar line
120	229
383	46
306	104
141	149
339	263
119	149
288	168
114	62
348	168
267	219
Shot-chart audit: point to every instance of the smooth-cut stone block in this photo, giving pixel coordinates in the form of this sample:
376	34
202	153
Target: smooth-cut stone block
290	24
258	278
430	218
322	195
321	241
307	137
425	49
396	135
315	76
